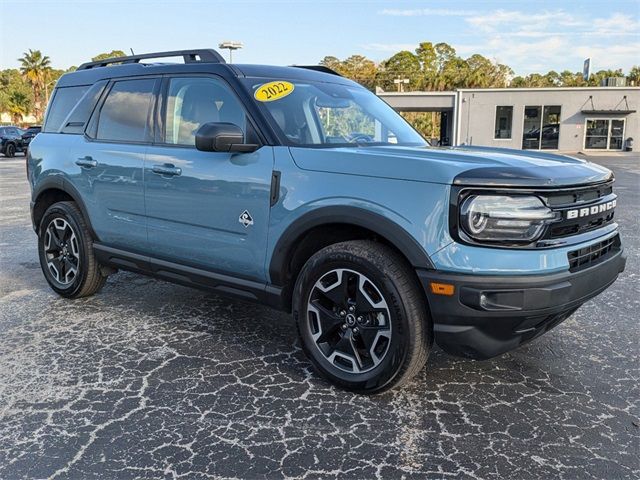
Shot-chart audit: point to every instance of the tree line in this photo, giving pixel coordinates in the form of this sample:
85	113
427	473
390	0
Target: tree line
430	67
438	67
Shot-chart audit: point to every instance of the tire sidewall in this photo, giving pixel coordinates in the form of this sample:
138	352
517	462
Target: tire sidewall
10	150
380	376
60	210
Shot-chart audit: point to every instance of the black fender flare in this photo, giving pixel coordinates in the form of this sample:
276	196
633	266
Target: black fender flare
58	182
379	224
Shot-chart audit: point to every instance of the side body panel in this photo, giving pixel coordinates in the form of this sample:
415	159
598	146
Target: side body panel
415	209
194	217
111	193
113	190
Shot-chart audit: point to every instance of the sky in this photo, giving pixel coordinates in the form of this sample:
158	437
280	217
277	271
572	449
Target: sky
529	36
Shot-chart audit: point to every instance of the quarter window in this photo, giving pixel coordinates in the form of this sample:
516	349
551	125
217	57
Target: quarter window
64	99
194	101
125	112
504	120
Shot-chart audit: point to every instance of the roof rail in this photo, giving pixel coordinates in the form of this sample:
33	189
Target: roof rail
318	68
190	56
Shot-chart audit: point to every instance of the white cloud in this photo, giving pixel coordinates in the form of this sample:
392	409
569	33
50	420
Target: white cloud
426	12
616	24
492	20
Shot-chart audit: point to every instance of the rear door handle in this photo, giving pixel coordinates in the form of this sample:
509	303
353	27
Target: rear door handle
86	162
169	170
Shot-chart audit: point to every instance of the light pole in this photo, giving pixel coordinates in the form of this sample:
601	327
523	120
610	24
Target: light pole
231	46
401	82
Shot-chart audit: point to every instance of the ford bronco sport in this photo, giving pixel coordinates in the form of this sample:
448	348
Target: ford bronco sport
300	189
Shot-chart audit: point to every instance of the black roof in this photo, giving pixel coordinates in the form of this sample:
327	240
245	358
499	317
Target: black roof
196	61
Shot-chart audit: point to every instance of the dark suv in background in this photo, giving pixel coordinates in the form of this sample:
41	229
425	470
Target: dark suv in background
29	133
11	141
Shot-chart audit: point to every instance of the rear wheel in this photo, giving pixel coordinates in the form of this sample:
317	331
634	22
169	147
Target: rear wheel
66	252
10	150
361	316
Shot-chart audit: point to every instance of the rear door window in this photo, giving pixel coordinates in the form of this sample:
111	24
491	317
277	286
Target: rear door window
124	116
64	99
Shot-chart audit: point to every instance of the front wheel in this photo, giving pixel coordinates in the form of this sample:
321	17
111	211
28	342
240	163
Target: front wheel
362	318
66	252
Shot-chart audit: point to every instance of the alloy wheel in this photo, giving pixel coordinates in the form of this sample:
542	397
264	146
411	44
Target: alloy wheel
61	251
349	320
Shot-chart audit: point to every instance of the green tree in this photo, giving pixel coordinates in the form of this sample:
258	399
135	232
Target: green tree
633	77
427	56
331	62
595	80
111	54
16	95
403	65
18	105
360	69
569	79
35	68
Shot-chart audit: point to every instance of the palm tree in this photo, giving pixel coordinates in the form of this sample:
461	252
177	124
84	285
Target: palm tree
18	104
35	68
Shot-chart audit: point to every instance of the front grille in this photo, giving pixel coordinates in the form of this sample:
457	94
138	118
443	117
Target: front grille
593	254
565	201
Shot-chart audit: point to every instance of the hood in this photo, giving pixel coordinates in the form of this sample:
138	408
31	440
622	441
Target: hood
456	165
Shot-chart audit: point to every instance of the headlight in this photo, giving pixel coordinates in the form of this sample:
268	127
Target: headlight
503	218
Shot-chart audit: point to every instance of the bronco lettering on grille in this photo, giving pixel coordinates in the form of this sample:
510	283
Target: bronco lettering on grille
587	211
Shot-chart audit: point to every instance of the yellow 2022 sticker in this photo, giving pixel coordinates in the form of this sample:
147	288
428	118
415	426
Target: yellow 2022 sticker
268	92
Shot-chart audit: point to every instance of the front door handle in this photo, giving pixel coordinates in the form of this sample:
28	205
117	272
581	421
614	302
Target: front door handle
168	169
87	162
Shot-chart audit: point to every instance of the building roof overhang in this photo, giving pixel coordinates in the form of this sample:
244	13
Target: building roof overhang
607	112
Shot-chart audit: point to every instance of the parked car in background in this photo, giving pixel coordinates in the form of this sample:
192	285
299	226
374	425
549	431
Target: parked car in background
29	133
11	141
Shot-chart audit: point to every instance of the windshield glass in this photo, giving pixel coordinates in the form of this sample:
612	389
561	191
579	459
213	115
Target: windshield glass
330	114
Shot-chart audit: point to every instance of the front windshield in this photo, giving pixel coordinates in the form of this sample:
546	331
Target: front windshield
330	114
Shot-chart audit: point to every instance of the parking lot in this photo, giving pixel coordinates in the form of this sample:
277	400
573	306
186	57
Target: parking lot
149	379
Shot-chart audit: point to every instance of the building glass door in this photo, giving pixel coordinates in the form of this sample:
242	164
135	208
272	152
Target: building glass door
604	134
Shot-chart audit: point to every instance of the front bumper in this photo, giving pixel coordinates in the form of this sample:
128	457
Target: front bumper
488	315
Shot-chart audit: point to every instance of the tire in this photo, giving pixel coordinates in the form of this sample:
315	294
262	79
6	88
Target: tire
362	317
65	245
10	150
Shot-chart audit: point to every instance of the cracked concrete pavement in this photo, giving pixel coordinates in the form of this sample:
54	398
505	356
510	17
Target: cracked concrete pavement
152	380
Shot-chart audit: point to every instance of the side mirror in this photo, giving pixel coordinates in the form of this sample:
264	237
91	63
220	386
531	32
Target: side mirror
222	137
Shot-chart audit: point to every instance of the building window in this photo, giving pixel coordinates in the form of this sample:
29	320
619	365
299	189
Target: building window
504	120
604	134
541	127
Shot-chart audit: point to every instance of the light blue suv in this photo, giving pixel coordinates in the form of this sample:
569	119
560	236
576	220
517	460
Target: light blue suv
297	188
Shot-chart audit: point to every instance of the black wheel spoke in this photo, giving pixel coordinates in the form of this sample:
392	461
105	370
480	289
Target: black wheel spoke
53	233
346	346
69	265
66	234
328	320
